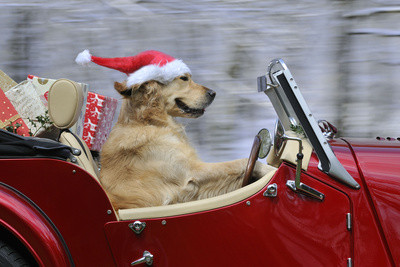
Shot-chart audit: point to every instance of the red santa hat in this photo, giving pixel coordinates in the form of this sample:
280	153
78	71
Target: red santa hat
145	66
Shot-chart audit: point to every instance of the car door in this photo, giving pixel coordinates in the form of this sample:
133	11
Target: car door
267	229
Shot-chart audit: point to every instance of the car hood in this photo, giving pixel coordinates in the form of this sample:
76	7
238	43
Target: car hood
378	161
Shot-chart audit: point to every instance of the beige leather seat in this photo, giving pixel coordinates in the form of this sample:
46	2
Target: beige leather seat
65	102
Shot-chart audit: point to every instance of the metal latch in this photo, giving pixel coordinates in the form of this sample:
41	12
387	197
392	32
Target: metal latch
147	258
137	226
298	186
272	191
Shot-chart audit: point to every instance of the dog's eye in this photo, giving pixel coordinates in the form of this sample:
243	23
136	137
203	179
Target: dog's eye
184	78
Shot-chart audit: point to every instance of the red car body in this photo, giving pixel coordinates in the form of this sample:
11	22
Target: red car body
63	217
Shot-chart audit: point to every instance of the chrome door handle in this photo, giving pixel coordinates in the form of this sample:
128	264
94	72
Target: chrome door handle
147	258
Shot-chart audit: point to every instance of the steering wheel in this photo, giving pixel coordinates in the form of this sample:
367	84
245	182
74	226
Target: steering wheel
261	146
255	149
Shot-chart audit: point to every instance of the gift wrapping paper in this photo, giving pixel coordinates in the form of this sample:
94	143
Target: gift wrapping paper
26	102
100	111
6	82
8	115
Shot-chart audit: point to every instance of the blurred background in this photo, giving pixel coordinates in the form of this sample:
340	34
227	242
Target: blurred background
344	56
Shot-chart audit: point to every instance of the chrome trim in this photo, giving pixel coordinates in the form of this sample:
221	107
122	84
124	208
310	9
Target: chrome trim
272	191
147	258
305	189
137	226
348	221
328	129
349	262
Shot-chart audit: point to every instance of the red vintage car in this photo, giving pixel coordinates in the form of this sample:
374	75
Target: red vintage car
329	202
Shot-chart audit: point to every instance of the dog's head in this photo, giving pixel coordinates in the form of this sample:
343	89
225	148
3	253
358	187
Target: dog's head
181	97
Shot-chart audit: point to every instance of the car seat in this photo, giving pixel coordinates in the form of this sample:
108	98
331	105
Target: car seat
65	101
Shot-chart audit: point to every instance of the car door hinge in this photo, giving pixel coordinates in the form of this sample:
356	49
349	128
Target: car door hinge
349	262
348	221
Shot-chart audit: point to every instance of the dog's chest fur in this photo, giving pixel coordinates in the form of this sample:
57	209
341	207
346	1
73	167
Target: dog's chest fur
149	159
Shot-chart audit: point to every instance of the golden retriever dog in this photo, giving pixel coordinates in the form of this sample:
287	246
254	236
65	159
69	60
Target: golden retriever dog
148	160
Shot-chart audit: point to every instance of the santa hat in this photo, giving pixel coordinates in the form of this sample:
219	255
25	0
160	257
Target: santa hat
145	66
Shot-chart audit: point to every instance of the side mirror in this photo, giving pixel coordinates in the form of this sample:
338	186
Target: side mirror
266	143
280	138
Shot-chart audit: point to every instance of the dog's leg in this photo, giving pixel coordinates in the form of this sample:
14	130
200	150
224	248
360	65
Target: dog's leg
213	179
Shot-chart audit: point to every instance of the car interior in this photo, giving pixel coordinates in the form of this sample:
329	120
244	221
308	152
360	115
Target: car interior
65	102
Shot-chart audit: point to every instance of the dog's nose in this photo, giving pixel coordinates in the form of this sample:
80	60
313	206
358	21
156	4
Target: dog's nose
211	93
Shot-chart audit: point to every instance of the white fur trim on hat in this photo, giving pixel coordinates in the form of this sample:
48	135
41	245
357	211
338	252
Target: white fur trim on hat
164	74
84	58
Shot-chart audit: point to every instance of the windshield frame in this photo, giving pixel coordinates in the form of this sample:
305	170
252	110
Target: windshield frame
282	90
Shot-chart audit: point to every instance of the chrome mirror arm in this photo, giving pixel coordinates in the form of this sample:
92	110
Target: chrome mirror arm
297	185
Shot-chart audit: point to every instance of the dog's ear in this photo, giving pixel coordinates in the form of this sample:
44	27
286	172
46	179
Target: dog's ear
141	92
123	89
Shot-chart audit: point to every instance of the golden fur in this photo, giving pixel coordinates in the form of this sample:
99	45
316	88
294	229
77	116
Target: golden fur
147	159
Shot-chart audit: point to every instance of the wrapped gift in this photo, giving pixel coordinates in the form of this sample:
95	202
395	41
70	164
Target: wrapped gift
6	82
26	102
8	115
100	111
42	86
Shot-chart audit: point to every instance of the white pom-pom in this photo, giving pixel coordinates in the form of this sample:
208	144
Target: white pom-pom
84	58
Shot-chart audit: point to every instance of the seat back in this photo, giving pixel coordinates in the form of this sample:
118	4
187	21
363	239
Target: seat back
65	101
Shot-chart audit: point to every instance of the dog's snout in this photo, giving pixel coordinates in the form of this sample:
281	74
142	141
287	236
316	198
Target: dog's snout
211	93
